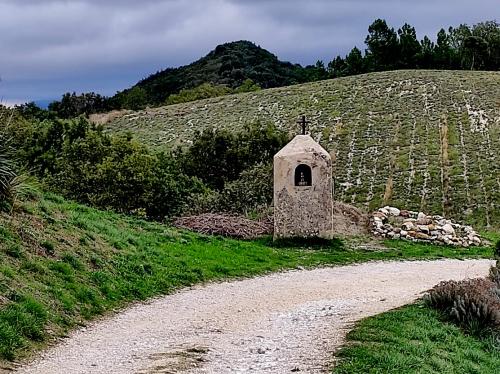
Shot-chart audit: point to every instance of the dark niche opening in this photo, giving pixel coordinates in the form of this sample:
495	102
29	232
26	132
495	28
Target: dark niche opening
303	175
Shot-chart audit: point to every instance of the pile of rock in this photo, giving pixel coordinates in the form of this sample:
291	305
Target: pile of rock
390	222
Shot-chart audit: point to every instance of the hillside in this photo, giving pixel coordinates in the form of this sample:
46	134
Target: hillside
62	264
424	140
228	64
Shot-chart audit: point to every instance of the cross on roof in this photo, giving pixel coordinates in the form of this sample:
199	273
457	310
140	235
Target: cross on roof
303	122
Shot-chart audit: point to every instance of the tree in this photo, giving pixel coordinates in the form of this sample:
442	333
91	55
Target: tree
73	105
425	58
135	98
409	46
444	55
337	67
354	62
383	46
476	49
490	33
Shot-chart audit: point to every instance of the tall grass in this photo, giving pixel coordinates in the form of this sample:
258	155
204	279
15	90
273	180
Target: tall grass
7	172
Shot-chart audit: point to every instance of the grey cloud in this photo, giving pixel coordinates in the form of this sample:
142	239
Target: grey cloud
49	46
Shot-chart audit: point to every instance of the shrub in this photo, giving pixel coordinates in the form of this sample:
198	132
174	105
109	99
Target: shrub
203	91
252	191
473	304
220	156
48	247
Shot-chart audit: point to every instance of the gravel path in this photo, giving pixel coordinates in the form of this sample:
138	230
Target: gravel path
280	323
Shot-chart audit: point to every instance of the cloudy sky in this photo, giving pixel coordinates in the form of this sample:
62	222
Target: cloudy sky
49	47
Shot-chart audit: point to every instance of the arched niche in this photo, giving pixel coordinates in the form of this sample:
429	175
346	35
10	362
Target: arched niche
303	175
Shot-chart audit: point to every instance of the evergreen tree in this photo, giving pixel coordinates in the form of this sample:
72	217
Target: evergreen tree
337	67
410	48
383	46
354	62
444	57
425	58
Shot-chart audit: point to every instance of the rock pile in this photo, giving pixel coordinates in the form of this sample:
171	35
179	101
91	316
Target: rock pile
390	222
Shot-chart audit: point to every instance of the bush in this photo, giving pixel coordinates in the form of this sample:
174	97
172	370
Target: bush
473	304
81	162
15	185
219	156
203	91
251	192
221	171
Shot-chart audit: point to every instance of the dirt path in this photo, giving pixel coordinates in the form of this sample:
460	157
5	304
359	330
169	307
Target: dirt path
287	322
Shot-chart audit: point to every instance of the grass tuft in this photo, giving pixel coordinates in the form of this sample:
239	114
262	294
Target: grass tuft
415	339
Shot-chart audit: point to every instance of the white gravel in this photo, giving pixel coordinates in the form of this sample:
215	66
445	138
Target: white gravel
280	323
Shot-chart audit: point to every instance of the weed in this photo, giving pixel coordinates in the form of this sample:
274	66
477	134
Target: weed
48	247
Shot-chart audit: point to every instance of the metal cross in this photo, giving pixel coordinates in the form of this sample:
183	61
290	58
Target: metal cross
303	122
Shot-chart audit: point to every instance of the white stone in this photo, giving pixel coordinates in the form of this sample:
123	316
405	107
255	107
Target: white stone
423	228
403	233
384	210
408	226
394	211
448	229
421	215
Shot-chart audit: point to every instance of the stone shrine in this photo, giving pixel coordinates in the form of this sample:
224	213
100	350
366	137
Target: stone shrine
303	193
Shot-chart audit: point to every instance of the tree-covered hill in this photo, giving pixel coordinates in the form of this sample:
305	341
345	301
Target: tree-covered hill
424	140
228	64
242	67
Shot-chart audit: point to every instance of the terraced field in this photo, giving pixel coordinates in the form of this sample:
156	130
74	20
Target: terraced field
424	140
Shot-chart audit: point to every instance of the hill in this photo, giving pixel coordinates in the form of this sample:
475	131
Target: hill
228	64
424	140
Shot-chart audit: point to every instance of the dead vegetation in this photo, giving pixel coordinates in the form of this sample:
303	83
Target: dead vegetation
225	225
473	304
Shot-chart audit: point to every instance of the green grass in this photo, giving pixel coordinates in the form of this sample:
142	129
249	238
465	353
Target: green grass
415	339
367	120
62	264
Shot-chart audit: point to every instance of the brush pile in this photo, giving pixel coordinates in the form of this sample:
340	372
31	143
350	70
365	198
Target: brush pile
226	225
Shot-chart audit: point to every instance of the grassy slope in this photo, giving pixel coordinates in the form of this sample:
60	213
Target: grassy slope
62	264
433	134
414	339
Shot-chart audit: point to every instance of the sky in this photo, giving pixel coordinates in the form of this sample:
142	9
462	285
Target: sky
49	47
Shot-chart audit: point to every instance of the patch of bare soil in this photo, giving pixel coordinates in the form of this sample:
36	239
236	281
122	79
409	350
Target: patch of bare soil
279	323
104	118
349	220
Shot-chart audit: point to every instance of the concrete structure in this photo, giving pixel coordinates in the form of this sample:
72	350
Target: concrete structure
303	193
